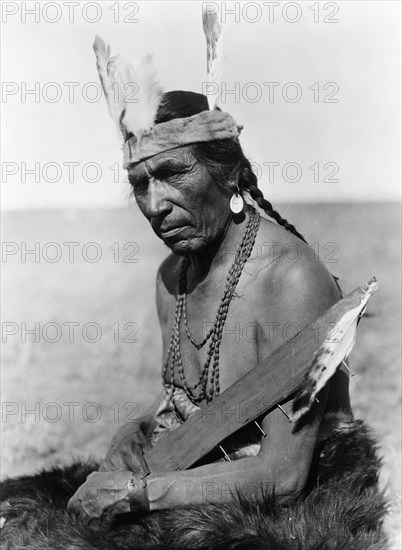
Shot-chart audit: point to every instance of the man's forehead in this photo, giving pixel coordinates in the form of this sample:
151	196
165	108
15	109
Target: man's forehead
174	158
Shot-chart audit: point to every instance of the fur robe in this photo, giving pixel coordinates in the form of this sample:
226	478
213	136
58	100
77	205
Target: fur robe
341	508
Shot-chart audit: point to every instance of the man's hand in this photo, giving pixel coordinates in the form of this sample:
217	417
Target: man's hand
126	454
101	498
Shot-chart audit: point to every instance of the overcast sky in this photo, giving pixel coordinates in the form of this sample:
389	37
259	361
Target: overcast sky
327	130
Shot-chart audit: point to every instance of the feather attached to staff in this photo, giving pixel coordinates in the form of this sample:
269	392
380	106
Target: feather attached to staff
335	349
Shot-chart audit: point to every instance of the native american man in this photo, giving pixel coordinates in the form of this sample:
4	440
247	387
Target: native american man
302	482
185	195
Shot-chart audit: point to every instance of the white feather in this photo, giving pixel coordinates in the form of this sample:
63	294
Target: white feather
213	34
106	69
141	109
132	96
336	347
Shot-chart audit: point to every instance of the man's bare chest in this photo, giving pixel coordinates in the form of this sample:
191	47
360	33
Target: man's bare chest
238	342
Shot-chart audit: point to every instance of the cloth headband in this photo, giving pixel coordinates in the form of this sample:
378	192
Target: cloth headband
204	126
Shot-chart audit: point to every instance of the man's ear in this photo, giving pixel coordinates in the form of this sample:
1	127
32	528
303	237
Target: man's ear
233	186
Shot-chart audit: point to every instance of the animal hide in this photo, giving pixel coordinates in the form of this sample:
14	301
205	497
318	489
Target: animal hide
342	508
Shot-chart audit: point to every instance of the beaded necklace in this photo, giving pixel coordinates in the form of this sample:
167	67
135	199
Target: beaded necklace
209	375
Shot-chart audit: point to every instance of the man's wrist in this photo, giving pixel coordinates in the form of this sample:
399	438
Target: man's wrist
137	493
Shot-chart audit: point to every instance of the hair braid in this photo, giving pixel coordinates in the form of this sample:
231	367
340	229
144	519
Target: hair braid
248	181
225	160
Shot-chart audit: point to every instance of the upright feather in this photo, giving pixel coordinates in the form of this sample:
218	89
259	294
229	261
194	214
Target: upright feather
213	33
336	347
141	111
107	68
132	96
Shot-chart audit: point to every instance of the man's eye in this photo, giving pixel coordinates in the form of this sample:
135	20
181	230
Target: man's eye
139	185
168	175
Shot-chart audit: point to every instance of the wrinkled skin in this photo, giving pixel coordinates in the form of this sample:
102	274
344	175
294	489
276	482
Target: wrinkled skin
190	212
101	498
173	190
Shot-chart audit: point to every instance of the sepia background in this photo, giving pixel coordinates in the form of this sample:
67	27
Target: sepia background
81	348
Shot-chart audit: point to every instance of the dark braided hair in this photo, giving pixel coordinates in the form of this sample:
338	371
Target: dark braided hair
224	159
248	180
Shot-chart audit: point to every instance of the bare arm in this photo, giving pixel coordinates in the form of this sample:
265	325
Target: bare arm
304	292
284	460
210	483
282	464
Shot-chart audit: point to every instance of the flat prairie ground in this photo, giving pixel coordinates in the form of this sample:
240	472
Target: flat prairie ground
81	349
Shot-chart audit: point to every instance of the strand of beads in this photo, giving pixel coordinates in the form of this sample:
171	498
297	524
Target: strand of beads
173	355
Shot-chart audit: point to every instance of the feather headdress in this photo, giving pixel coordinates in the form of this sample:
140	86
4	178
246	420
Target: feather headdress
336	348
213	33
133	96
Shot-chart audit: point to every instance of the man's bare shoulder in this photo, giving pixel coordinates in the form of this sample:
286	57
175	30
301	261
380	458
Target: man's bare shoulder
288	276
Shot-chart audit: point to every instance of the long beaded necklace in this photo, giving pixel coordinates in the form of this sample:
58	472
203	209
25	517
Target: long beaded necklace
173	357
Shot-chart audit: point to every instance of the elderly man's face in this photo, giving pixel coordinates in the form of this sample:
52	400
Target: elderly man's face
187	209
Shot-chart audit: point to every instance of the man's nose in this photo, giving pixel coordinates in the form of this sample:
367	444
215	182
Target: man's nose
158	202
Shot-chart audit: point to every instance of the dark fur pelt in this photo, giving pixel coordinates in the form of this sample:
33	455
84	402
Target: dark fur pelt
341	508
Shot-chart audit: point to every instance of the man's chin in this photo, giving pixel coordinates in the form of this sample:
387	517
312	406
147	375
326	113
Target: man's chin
184	247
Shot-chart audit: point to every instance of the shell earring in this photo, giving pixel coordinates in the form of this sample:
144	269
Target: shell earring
236	202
